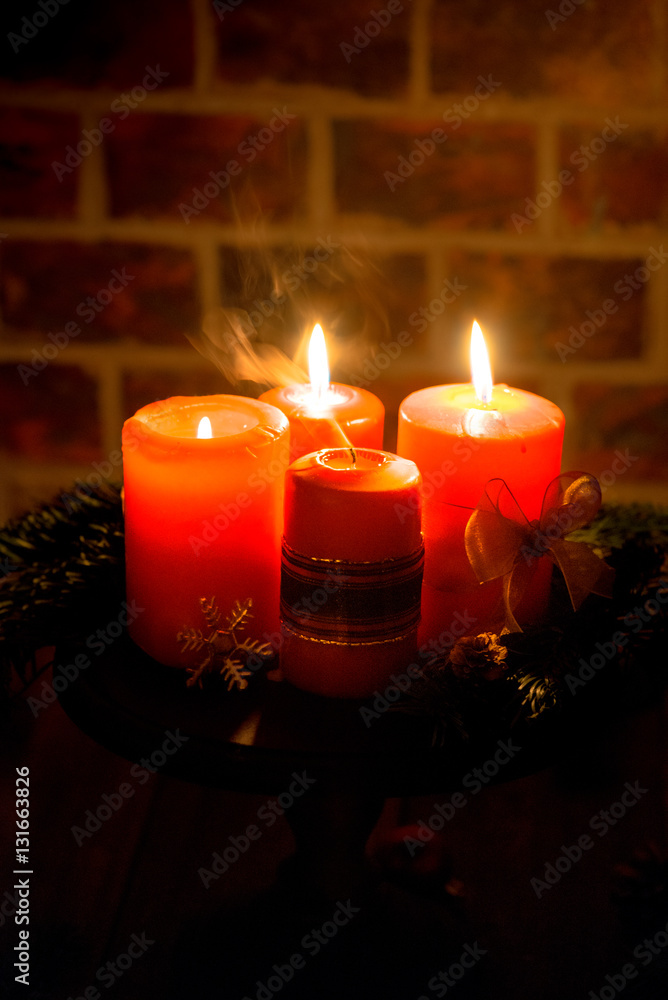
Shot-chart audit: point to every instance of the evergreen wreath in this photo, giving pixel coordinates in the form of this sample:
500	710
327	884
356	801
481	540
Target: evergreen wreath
62	572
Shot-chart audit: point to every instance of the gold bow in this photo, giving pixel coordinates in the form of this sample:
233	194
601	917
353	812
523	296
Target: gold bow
501	542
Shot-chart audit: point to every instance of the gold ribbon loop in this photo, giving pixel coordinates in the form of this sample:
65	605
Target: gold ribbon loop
501	542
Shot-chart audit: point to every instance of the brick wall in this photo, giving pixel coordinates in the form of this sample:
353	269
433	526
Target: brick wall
450	159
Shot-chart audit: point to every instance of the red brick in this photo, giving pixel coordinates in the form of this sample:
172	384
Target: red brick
615	418
31	141
261	41
476	178
143	387
601	54
626	183
105	45
527	305
46	285
51	417
157	161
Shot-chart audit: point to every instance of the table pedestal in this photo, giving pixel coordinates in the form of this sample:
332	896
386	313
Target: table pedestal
331	830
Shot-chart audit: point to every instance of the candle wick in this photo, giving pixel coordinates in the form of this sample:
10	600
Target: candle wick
353	455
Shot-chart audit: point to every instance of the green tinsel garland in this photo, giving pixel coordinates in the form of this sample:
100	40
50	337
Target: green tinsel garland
63	575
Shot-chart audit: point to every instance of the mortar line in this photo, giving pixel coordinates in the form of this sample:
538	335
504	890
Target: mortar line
204	43
321	171
419	79
92	192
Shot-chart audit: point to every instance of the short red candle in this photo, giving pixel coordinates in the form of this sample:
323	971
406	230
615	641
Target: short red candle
459	443
313	418
203	517
350	586
324	414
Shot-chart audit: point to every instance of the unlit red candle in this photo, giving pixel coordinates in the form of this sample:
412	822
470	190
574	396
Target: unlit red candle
203	517
459	442
351	573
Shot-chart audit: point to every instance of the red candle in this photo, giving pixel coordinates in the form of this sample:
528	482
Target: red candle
351	572
203	516
460	437
320	410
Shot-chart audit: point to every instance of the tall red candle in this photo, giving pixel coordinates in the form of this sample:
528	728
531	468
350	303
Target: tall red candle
351	572
325	414
460	437
203	516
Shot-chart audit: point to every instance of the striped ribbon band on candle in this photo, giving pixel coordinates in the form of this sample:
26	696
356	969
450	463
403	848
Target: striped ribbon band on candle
336	600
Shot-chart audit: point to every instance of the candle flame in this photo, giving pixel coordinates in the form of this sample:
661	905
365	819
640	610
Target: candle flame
204	430
318	367
481	373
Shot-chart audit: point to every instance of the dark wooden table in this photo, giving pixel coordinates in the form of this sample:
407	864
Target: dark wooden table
257	741
260	739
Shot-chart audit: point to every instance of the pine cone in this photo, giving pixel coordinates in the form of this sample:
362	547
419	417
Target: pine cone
479	656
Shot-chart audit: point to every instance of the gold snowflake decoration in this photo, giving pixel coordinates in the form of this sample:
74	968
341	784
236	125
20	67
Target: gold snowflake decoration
224	653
